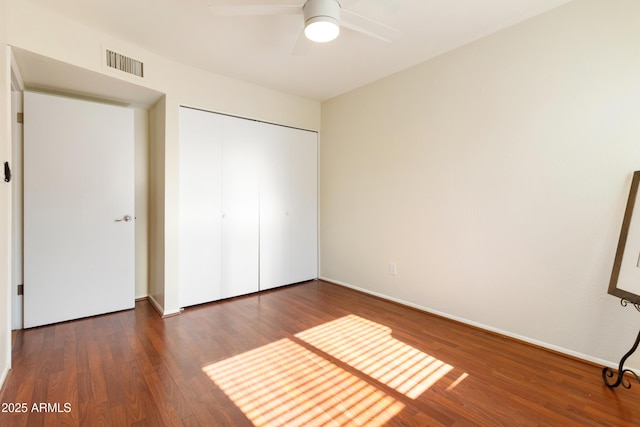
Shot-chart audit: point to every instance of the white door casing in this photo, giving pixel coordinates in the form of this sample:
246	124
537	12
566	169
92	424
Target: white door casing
16	222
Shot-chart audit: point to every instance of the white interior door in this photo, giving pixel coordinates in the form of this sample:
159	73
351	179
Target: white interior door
78	209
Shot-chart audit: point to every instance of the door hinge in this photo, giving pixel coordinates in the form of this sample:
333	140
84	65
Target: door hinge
20	117
20	289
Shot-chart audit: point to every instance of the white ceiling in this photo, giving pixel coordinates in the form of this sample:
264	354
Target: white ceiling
258	49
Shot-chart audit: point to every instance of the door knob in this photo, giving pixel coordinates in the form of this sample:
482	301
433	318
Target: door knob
125	218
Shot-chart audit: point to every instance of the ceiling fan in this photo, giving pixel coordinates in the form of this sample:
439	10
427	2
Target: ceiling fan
322	19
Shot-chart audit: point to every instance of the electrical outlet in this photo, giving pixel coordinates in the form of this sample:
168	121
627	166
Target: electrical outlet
393	269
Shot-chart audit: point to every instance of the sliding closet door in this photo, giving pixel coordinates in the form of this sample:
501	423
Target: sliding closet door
303	207
240	207
288	207
275	230
200	206
248	206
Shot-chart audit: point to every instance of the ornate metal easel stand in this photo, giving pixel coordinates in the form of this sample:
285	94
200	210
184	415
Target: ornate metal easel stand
608	373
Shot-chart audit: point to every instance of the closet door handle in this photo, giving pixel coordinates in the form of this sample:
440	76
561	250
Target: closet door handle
126	218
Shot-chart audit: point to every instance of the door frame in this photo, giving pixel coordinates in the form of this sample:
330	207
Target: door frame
142	141
15	254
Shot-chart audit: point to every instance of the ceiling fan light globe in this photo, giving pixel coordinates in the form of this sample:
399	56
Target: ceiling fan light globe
322	29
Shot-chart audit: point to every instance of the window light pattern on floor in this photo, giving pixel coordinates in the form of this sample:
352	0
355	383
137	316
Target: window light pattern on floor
293	382
283	383
370	348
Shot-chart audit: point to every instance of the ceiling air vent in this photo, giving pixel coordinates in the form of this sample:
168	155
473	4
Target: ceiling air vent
124	63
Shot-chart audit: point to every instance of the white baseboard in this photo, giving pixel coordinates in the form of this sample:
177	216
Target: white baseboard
532	341
3	377
155	304
161	309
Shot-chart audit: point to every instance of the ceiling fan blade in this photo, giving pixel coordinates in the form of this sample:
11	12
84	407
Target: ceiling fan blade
302	46
255	9
366	26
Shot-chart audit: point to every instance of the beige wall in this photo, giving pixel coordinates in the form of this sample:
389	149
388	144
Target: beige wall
141	156
156	203
495	176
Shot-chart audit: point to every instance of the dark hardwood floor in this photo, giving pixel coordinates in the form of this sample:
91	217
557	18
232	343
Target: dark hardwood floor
313	354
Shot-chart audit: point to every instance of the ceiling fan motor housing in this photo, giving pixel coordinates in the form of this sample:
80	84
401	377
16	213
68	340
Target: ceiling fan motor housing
321	9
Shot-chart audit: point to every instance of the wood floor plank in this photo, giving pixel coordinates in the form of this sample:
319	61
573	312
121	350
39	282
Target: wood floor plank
307	354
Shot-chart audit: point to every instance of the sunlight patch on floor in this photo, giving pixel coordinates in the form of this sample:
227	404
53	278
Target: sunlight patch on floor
370	348
300	381
283	383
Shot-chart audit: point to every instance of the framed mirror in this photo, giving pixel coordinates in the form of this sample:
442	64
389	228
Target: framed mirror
625	277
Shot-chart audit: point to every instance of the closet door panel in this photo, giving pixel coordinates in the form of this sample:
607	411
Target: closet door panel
200	206
275	233
303	209
248	206
240	207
